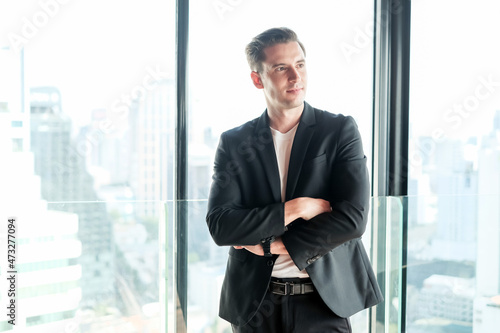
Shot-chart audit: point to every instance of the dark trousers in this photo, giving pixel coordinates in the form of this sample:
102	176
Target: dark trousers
294	313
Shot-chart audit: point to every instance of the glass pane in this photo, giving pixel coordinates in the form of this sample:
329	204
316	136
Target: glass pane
453	239
338	39
82	267
453	287
387	215
87	108
206	266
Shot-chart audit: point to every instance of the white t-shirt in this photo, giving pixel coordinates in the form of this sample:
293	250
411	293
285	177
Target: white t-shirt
284	266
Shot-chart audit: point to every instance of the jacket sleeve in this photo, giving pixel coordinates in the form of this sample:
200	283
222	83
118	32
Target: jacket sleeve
307	241
229	220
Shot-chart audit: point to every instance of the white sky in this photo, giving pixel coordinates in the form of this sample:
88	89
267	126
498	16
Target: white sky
98	51
93	51
454	44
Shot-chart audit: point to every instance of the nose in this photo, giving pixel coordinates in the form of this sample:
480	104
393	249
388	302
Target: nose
294	75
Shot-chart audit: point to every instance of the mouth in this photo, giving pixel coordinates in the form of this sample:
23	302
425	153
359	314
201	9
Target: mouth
294	90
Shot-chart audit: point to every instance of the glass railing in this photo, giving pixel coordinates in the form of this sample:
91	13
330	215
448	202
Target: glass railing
438	262
84	267
206	268
98	267
453	263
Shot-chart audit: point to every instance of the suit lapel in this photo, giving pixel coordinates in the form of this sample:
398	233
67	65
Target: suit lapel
267	155
301	142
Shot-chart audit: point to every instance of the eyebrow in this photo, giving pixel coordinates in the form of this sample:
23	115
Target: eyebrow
283	64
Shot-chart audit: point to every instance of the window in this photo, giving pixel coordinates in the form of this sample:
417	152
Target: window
337	37
76	81
454	186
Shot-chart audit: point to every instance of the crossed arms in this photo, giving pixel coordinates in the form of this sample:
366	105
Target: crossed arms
237	218
305	208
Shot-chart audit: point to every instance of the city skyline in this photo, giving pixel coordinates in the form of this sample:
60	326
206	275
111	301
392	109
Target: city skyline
110	145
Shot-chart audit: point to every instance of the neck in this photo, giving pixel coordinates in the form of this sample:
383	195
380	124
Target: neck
284	120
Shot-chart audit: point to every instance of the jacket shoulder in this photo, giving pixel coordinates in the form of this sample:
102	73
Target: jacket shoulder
334	122
330	117
240	131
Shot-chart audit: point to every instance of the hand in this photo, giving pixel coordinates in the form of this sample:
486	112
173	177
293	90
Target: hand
255	249
306	208
277	247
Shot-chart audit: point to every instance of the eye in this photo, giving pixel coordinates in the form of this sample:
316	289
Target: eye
301	65
280	68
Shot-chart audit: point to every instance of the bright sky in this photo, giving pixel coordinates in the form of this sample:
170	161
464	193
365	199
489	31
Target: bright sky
98	51
93	51
455	50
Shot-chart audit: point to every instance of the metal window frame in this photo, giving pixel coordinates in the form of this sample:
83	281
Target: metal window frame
180	275
390	136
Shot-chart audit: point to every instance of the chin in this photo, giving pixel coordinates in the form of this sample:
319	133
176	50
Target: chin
296	103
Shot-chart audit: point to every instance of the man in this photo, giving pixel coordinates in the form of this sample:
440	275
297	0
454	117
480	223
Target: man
290	195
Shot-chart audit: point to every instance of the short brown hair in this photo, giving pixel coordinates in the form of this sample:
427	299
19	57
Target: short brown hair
270	37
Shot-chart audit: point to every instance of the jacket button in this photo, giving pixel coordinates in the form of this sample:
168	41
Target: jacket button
270	263
313	259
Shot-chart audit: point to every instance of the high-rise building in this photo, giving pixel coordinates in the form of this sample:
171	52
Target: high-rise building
488	218
447	297
68	186
486	314
152	125
455	237
487	303
108	146
45	244
47	249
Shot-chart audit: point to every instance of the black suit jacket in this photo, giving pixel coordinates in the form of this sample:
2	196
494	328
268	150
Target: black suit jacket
244	207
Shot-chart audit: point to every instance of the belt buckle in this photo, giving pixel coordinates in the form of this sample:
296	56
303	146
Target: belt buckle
287	288
279	292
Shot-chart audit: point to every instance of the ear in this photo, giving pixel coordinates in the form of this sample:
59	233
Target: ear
257	82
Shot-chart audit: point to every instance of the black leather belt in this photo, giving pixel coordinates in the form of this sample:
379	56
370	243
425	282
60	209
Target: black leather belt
291	288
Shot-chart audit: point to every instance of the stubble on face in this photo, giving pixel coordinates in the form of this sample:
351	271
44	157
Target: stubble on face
284	77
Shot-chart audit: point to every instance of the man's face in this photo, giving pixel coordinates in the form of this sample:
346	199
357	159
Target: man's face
283	77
